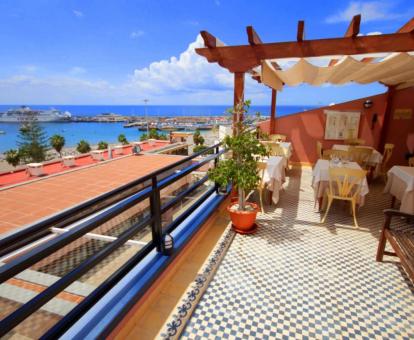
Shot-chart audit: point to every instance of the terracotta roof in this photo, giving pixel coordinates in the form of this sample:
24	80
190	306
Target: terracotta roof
18	176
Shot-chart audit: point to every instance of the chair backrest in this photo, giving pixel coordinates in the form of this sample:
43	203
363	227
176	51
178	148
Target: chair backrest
388	148
361	155
345	182
274	149
411	161
277	137
332	153
354	141
261	167
319	149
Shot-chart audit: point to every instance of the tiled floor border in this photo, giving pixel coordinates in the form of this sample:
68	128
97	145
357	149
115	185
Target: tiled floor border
182	312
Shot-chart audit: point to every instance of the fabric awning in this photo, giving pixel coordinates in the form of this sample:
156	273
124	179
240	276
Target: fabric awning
394	69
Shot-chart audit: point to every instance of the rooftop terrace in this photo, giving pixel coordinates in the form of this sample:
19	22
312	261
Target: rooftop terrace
42	197
298	278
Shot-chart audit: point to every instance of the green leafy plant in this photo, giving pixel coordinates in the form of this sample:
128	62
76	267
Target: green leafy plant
241	170
122	139
198	138
199	148
32	143
153	134
102	145
83	146
57	142
12	157
199	143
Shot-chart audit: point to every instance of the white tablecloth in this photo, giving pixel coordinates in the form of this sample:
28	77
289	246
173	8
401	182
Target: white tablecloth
400	184
274	176
320	179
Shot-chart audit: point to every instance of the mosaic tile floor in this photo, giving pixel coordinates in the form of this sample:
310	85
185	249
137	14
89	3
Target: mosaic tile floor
296	278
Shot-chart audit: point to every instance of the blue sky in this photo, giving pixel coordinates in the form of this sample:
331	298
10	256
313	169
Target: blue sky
121	51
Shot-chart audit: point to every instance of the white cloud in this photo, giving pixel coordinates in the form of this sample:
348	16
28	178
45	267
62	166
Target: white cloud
53	89
370	11
28	68
77	70
189	73
77	13
136	34
185	79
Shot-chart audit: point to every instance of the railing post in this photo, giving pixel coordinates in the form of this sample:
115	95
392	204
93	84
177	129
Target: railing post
155	207
216	160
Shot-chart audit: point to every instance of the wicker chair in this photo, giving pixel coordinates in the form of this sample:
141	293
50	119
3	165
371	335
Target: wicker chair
361	155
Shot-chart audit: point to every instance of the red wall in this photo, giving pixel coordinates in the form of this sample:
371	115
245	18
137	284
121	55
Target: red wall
305	128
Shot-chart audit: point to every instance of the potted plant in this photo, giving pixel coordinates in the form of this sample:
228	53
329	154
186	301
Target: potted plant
241	170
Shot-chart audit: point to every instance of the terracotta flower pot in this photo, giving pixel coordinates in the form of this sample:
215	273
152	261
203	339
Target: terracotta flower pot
244	221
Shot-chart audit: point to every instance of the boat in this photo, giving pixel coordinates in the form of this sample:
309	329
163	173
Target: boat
2	132
23	113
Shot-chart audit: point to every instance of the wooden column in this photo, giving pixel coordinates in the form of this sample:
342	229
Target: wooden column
238	95
387	118
273	112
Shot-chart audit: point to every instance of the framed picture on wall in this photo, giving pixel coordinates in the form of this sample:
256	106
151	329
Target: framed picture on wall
341	124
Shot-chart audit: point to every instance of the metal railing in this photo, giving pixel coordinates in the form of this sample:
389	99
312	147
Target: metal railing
65	218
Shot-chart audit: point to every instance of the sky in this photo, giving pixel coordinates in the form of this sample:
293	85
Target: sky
123	51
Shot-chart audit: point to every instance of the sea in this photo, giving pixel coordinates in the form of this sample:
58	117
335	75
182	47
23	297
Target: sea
94	132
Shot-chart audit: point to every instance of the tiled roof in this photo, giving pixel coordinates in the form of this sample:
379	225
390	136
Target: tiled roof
30	201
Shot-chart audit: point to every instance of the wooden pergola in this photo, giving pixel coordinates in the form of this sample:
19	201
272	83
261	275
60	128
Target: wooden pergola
258	59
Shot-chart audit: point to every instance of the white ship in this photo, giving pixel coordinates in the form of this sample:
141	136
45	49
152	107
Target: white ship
22	113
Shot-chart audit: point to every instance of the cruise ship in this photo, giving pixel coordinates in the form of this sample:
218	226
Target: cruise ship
23	112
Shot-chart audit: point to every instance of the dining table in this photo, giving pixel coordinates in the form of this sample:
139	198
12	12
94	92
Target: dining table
374	161
400	184
274	176
320	180
287	150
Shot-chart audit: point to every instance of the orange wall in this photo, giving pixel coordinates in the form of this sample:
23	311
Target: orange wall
305	128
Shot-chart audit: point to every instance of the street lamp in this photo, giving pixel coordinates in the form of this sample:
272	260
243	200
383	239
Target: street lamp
146	117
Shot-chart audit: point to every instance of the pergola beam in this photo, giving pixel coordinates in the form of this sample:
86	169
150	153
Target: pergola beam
253	37
210	41
408	27
351	32
301	31
244	57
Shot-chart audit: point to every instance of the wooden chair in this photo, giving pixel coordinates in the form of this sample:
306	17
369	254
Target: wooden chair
331	153
411	161
388	148
261	167
401	238
277	137
319	149
361	155
344	184
354	141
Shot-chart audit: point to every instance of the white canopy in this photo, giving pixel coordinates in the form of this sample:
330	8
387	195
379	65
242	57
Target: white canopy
393	69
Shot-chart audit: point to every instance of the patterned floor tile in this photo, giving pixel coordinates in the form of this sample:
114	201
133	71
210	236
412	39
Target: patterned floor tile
297	278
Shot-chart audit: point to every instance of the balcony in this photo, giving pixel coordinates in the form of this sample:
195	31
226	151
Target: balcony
298	278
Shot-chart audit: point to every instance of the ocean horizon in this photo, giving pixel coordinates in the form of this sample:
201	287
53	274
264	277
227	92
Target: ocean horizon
93	132
158	110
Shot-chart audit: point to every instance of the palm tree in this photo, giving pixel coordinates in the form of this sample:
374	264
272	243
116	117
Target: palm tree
57	142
